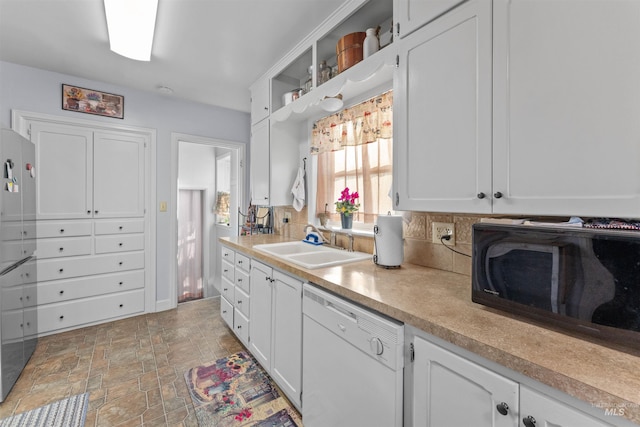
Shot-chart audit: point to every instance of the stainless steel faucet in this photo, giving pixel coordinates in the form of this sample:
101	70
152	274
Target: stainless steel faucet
313	228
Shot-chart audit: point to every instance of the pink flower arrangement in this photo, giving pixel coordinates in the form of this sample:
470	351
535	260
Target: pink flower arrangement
346	204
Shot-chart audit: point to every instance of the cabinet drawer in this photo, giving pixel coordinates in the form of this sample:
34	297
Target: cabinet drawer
226	311
53	317
119	243
228	271
63	268
243	280
119	226
83	287
241	301
243	262
227	289
63	228
228	255
241	326
53	248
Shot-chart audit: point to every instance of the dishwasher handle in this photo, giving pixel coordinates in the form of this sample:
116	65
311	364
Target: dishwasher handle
341	311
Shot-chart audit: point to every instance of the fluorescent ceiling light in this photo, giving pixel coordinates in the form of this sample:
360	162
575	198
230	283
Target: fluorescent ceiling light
131	24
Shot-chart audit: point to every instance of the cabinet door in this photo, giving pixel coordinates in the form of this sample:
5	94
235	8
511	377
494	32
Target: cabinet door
412	14
259	101
64	170
449	390
287	335
543	411
260	314
118	175
566	93
442	114
260	161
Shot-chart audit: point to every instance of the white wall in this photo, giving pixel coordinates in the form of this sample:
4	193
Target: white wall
35	90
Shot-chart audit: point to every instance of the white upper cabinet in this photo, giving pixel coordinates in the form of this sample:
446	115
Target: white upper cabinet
118	175
442	113
64	159
566	135
260	163
412	14
528	109
87	174
259	100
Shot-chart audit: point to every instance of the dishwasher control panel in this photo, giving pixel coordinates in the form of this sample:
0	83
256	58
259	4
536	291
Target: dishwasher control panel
380	337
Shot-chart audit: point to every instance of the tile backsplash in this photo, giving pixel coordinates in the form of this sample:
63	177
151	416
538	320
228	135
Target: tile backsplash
418	248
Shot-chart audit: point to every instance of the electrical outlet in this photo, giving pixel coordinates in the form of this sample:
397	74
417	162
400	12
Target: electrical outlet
439	229
287	217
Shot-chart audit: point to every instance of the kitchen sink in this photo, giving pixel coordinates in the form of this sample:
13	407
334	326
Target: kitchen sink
311	256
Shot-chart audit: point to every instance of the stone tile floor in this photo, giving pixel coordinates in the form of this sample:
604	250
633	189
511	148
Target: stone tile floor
133	368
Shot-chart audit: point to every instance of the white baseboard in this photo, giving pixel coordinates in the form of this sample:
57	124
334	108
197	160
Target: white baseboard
163	305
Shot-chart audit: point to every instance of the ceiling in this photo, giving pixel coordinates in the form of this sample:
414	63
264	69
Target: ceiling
208	51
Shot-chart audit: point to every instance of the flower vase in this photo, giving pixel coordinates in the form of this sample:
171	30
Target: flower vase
347	221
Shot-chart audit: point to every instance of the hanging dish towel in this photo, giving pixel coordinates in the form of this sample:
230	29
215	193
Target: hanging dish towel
298	191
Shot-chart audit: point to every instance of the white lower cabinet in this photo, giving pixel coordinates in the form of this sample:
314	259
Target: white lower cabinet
89	271
261	311
539	410
276	327
449	390
444	387
286	360
235	304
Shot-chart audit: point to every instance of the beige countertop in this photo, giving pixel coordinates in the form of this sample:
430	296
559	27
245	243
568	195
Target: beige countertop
439	302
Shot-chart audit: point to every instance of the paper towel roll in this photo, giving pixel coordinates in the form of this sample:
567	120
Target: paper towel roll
389	243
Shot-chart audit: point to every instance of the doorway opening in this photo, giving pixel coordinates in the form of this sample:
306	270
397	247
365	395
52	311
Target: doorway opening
190	253
216	169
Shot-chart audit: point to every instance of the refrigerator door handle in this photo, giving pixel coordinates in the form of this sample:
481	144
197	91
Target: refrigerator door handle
15	265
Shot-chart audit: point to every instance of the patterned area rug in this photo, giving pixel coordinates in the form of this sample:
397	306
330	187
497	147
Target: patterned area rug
236	391
69	412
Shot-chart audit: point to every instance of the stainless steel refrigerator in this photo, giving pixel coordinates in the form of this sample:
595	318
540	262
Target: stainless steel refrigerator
18	302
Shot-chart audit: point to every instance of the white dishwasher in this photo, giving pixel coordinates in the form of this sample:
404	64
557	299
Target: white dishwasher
353	362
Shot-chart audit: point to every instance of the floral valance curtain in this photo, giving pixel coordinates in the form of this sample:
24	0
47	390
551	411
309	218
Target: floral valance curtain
358	125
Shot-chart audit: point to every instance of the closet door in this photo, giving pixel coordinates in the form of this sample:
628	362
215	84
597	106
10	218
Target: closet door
63	170
118	175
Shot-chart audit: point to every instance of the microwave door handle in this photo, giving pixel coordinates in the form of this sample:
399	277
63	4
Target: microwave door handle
555	272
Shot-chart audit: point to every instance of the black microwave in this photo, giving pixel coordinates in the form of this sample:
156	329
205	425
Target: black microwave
587	280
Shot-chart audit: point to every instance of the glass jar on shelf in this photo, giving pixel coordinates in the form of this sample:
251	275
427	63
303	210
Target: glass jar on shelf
308	85
324	73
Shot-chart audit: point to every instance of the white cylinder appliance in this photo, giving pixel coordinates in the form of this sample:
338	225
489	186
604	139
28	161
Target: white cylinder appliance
389	244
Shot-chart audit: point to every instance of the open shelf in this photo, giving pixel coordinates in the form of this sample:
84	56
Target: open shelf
368	74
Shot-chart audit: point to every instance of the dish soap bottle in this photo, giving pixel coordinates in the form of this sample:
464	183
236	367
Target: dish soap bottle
371	43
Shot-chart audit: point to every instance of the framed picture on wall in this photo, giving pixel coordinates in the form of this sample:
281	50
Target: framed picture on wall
91	101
